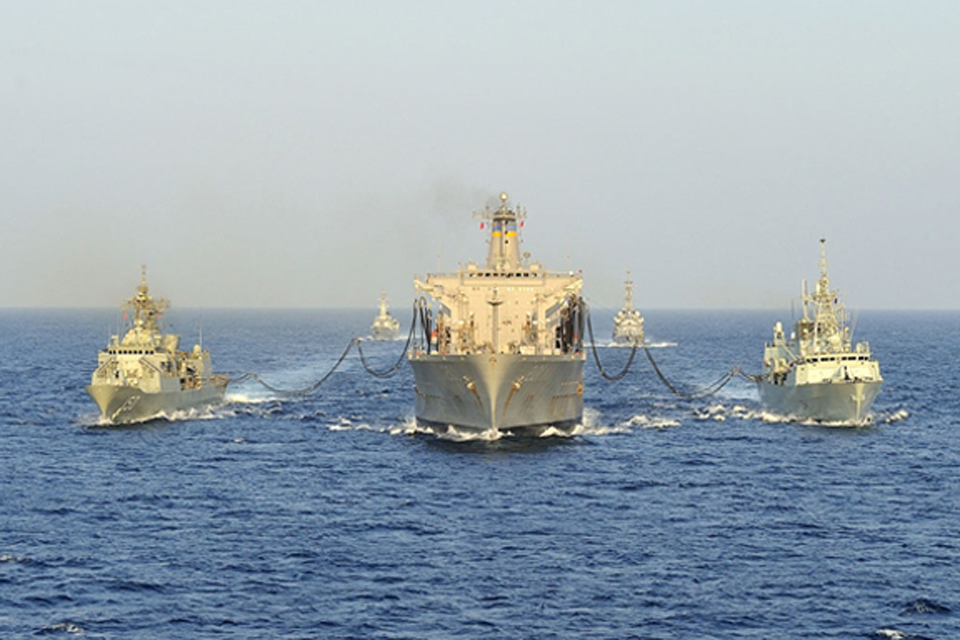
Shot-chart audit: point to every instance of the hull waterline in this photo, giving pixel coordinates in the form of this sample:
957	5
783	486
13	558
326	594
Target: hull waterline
502	392
842	402
125	405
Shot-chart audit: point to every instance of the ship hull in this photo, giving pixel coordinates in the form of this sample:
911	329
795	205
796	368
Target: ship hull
826	401
125	405
524	394
378	334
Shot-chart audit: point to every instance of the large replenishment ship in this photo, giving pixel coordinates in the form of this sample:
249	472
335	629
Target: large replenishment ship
505	351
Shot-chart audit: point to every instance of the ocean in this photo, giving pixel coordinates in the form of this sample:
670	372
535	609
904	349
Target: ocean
334	516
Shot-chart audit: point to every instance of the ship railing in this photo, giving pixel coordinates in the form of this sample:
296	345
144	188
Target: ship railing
520	274
150	365
486	349
103	371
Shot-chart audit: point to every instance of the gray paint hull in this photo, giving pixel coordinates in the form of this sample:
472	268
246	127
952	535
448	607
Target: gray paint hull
826	402
123	405
506	392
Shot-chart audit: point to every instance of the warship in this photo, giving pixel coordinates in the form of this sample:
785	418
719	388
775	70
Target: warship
385	327
818	374
628	323
145	375
505	352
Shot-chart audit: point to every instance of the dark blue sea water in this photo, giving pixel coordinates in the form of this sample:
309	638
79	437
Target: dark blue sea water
333	516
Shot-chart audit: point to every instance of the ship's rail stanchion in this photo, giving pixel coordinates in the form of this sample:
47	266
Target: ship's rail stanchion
377	373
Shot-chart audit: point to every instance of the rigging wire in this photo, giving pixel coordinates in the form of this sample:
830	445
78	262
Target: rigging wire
703	392
316	385
596	356
391	371
377	373
421	314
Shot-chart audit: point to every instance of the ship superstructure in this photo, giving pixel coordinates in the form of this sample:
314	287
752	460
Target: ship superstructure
505	351
818	373
384	327
146	375
628	323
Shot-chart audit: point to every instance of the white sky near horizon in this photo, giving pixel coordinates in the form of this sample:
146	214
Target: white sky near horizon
310	154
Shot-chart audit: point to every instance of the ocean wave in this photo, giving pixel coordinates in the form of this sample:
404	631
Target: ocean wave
720	413
646	422
663	344
97	421
205	413
925	605
64	627
590	426
400	338
345	424
896	415
246	398
9	557
90	420
896	634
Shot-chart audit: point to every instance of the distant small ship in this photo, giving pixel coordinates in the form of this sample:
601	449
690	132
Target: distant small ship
628	323
506	350
818	374
384	327
145	375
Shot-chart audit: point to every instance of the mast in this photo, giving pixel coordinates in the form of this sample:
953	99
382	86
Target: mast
147	310
828	324
823	284
628	292
504	241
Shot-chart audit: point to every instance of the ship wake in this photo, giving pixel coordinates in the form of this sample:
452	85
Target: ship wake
721	413
663	344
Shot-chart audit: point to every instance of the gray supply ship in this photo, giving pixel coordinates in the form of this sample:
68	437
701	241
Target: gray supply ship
628	323
145	375
506	351
384	327
818	373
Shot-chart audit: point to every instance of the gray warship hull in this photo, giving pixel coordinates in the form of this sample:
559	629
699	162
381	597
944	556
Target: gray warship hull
125	404
843	402
506	392
383	334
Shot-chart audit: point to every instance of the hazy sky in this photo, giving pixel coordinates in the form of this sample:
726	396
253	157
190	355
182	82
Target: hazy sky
305	154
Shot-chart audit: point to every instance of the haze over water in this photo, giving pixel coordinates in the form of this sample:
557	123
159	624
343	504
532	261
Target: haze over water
305	154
